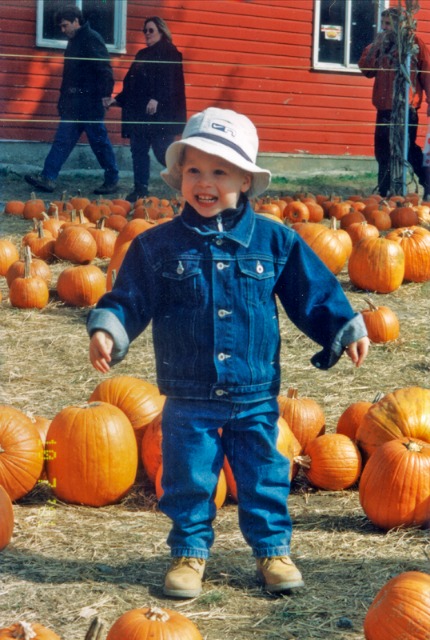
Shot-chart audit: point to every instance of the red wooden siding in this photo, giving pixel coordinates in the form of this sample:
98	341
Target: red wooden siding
254	56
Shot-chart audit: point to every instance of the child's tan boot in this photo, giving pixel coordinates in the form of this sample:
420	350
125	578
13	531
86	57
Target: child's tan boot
279	574
184	578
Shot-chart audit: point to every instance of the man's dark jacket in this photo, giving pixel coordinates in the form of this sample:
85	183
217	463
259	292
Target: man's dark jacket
157	74
87	76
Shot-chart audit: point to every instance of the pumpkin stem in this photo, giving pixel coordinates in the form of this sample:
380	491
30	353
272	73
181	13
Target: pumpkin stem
293	392
413	445
371	304
303	461
26	632
94	631
27	261
156	613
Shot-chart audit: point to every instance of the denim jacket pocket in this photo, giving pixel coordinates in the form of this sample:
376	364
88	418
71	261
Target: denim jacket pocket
257	276
182	281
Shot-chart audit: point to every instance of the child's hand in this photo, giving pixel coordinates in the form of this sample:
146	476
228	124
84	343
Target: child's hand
357	351
101	345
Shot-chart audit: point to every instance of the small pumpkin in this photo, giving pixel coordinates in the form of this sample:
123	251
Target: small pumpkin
6	518
155	623
76	244
29	291
350	419
8	255
27	631
304	416
382	323
400	609
82	285
331	461
394	488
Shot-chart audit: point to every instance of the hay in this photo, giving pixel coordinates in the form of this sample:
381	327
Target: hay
68	564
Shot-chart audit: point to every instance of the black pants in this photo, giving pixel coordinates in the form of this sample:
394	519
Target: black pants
383	152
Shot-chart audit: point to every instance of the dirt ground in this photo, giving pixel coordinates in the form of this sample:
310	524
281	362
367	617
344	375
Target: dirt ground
67	563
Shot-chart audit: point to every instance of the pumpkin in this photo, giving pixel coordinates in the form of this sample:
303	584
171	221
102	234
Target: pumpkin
139	400
325	242
33	208
28	291
382	323
14	207
53	224
6	518
304	416
377	264
400	609
350	419
8	255
38	267
287	444
41	242
331	461
95	461
76	244
125	204
296	211
21	452
79	202
81	285
404	412
350	218
132	229
394	488
220	493
105	239
339	209
115	264
359	230
150	451
378	216
95	211
415	242
153	623
115	222
27	631
403	215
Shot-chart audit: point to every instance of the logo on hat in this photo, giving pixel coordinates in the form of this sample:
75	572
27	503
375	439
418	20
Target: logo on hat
221	127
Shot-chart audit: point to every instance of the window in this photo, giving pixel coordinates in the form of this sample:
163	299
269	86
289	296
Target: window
341	31
108	17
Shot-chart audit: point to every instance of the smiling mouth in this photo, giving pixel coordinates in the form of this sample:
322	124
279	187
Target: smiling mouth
206	199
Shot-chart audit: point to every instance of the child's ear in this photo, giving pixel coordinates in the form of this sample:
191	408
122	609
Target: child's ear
247	181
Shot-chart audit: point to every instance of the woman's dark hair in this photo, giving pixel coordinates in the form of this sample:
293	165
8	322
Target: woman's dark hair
391	12
161	26
69	13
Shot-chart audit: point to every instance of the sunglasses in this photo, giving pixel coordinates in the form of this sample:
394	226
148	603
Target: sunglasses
150	30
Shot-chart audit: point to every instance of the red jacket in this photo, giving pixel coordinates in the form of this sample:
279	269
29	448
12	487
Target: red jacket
375	63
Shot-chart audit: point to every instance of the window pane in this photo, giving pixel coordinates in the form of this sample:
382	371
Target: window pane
50	29
332	31
363	27
100	14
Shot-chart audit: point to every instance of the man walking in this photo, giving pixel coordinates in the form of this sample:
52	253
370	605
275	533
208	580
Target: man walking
84	96
379	60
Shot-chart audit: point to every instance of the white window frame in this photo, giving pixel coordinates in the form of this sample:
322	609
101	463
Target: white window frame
334	66
120	27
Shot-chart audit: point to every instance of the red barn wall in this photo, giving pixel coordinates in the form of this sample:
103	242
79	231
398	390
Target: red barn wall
254	56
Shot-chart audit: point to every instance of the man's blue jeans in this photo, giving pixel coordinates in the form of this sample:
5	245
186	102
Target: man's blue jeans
66	137
193	454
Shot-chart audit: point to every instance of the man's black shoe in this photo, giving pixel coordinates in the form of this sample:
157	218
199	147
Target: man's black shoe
40	182
138	192
107	187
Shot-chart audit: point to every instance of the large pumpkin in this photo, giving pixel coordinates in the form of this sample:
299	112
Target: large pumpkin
153	623
8	255
327	243
377	264
395	484
331	461
139	400
401	609
27	631
76	244
405	412
304	416
21	452
82	285
415	242
6	518
95	461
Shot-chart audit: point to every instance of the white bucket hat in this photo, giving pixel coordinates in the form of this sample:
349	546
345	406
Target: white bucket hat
222	133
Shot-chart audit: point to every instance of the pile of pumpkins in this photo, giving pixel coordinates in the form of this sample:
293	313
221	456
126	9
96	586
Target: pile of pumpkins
76	231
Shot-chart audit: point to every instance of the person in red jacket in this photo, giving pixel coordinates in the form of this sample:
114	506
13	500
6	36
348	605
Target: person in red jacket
379	60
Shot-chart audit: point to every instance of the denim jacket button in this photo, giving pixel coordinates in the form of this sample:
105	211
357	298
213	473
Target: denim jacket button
222	313
219	242
220	266
221	356
219	392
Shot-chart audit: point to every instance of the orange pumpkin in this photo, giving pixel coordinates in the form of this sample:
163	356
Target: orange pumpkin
28	291
151	447
415	242
402	413
382	323
400	609
8	255
395	486
95	461
82	285
377	264
296	211
26	630
21	452
153	622
76	244
6	518
326	243
331	461
304	416
350	419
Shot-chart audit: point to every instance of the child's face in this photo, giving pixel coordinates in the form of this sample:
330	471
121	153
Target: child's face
210	184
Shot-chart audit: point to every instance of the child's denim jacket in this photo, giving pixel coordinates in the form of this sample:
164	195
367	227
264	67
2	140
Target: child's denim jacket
210	288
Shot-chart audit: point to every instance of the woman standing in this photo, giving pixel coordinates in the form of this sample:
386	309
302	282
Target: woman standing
152	101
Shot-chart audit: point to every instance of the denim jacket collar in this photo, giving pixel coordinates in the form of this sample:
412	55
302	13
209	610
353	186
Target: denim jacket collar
234	224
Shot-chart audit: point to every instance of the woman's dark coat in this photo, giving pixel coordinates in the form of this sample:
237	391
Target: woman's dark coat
156	73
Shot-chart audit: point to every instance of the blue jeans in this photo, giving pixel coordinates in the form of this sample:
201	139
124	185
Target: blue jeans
66	137
193	454
142	138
